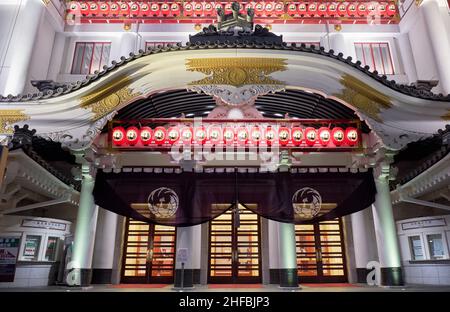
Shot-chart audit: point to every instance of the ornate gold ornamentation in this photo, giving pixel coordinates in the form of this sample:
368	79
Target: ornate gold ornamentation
103	100
10	116
236	71
363	97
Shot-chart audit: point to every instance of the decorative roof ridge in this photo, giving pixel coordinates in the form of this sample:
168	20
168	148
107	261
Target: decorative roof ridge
70	87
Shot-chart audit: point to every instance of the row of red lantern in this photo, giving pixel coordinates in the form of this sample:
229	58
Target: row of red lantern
197	9
228	135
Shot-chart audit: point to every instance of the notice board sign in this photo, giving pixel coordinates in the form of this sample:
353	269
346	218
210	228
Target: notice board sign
9	250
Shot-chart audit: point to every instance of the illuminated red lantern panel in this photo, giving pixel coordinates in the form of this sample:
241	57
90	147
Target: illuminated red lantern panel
84	9
187	135
94	8
200	134
256	135
215	135
322	9
292	9
361	9
310	136
351	136
124	9
351	9
269	9
188	10
198	8
134	9
208	9
132	135
279	8
337	136
242	135
283	135
302	9
145	9
173	134
342	9
297	135
259	9
104	9
114	9
391	9
269	136
118	136
324	136
332	9
159	135
146	135
154	9
175	9
165	9
312	9
228	135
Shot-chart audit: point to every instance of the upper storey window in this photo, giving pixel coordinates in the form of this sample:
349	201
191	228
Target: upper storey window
375	54
89	57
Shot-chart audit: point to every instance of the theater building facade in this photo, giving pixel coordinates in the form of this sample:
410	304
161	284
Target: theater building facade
196	143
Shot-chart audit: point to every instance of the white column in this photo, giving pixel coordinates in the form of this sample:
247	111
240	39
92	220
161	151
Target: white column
337	43
437	32
86	224
128	44
274	252
105	239
405	50
386	234
364	242
288	255
56	60
189	242
14	70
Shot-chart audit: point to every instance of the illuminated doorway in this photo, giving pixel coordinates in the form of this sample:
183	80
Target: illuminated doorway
320	252
149	253
235	251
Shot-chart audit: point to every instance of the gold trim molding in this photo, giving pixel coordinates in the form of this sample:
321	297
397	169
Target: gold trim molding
236	71
10	116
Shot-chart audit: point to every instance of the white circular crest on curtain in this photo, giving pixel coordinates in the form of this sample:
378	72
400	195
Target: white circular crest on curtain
163	202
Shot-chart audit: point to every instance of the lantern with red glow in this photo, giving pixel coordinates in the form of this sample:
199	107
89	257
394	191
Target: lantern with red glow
114	9
269	135
255	135
337	136
217	5
351	9
188	10
342	9
84	9
187	134
283	135
145	9
372	8
228	135
175	9
198	9
227	8
250	5
302	9
269	9
324	136
312	9
351	136
124	9
382	7
279	8
173	134
215	135
292	9
165	9
208	9
104	9
332	9
310	136
297	135
74	8
322	9
93	9
361	9
391	9
242	135
132	135
159	135
134	9
200	134
118	136
154	9
146	135
259	8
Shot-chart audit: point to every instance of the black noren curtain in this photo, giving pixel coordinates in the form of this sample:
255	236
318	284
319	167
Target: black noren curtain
188	198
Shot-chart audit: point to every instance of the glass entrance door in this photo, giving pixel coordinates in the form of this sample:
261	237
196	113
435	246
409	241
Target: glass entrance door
149	253
234	252
320	252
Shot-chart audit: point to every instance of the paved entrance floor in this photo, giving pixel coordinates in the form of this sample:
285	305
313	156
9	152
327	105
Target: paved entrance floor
233	288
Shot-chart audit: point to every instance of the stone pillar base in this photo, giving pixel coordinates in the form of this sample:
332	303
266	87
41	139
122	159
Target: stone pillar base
85	278
392	276
288	278
101	276
191	277
361	275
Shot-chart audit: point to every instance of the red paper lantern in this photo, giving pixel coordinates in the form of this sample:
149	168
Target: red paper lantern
159	135
312	9
284	135
259	8
84	9
351	9
198	8
382	7
332	9
322	9
173	134
134	9
279	8
200	134
342	9
215	135
154	9
255	135
269	135
165	9
187	135
188	10
372	8
208	9
391	9
310	136
175	9
228	135
74	8
302	9
297	135
104	9
132	135
351	136
114	9
94	9
337	136
250	5
324	136
228	8
242	135
118	136
269	9
124	9
292	9
145	9
146	135
361	9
